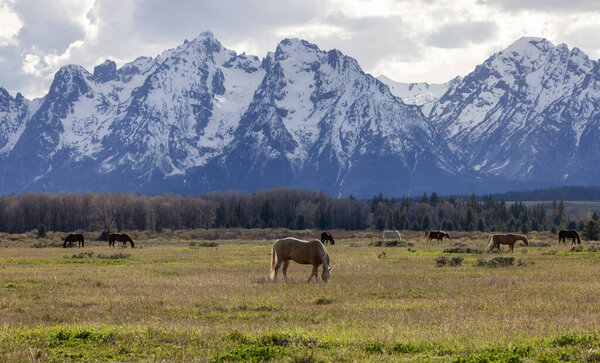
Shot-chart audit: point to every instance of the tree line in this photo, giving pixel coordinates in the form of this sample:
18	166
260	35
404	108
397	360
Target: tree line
288	208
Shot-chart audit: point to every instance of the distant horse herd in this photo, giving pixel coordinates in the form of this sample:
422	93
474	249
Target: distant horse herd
118	237
314	253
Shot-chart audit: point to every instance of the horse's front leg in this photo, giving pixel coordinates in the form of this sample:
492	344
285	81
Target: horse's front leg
315	273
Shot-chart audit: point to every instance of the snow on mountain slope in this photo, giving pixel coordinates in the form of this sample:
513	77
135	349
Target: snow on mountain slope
14	113
317	120
421	94
186	111
513	115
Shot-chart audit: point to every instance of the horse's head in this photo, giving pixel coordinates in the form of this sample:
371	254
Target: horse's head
331	240
326	274
525	240
447	235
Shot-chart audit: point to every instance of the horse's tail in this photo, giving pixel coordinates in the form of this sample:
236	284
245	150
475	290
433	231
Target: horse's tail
273	262
490	243
65	242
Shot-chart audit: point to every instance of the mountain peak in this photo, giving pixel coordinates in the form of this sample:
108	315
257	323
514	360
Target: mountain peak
294	45
530	47
106	71
207	41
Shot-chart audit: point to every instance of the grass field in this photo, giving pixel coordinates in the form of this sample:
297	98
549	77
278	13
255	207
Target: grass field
169	300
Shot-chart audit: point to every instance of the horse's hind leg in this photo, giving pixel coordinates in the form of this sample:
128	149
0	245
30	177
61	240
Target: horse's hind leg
276	269
284	269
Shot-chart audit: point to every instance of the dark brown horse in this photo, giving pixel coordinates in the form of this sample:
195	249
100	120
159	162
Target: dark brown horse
495	240
439	235
120	237
73	238
326	236
563	234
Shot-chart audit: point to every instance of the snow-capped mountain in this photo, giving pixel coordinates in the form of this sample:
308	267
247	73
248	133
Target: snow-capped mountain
201	117
317	120
529	113
421	94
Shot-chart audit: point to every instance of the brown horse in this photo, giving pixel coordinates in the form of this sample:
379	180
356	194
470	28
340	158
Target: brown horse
563	234
326	236
120	237
73	238
304	252
439	235
509	239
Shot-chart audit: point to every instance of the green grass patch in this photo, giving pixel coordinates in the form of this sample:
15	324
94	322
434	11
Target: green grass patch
574	339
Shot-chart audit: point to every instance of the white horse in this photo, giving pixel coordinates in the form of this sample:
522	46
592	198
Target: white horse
304	252
392	234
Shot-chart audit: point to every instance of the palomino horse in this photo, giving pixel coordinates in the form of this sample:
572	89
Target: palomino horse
392	234
73	238
304	252
439	235
496	240
120	237
563	234
326	236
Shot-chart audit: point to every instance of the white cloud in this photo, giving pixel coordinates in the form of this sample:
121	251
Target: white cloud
408	40
10	24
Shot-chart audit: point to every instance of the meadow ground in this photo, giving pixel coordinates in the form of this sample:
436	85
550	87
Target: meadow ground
176	298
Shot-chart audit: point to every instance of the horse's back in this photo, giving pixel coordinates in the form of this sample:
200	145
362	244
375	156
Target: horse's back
305	252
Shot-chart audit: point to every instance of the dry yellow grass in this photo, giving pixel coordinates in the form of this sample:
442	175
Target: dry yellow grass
172	301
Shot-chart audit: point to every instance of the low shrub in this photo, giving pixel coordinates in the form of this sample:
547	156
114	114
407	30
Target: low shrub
88	254
577	249
462	248
392	243
535	244
495	262
46	244
323	301
114	256
525	263
443	261
593	248
203	244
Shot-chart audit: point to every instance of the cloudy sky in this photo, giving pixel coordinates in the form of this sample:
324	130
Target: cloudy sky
407	40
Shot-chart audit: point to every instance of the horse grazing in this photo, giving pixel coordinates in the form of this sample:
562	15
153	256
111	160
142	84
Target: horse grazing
73	238
439	235
563	234
326	236
510	239
120	237
392	234
304	252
